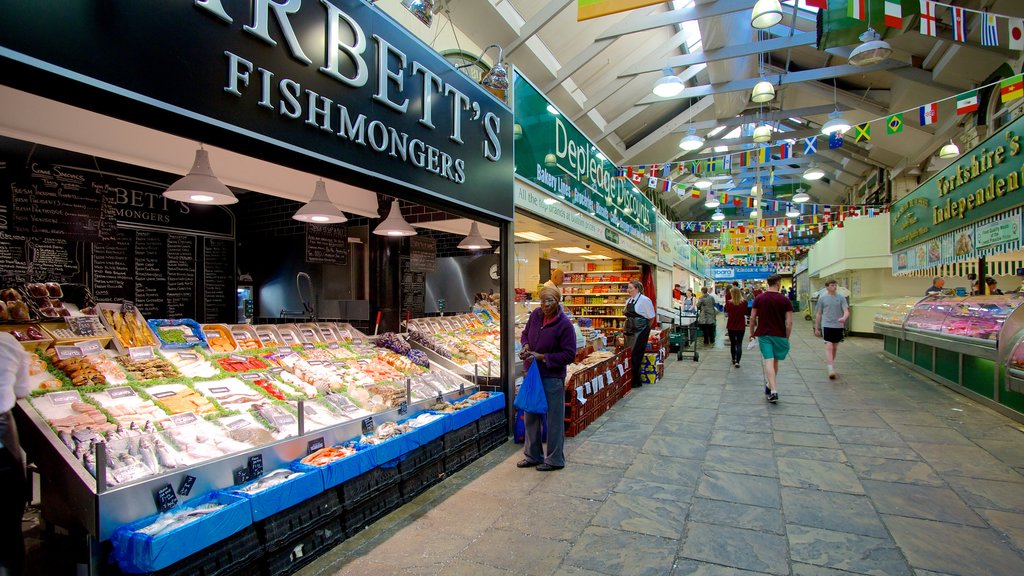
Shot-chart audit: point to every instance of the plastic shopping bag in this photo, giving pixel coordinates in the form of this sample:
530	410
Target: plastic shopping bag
530	397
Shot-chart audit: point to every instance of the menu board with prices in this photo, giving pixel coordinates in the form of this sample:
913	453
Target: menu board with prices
413	289
51	201
423	254
327	244
218	279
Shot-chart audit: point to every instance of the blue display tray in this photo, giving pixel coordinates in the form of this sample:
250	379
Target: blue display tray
285	495
348	467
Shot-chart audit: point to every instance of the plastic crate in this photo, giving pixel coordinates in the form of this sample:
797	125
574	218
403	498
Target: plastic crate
364	486
423	478
461	436
491	440
430	452
458	458
371	510
221	559
304	549
490	421
283	526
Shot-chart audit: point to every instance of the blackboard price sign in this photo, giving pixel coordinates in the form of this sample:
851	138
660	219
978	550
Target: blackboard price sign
256	465
165	498
440	397
186	485
314	445
368	425
403	408
326	244
242	475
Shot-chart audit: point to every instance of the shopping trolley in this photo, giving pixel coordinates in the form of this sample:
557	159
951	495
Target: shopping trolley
683	336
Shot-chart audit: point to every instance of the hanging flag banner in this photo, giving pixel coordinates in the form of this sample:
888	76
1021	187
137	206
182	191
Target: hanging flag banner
1016	33
967	102
810	145
1011	88
959	24
588	9
862	132
893	14
835	140
894	123
928	20
856	9
989	33
750	240
929	113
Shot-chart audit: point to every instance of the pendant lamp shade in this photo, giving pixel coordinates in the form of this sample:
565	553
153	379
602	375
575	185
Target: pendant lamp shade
320	209
792	211
763	91
702	183
950	150
200	186
756	190
766	13
474	241
753	213
691	141
762	134
872	50
813	173
668	85
836	123
394	224
718	215
712	201
801	195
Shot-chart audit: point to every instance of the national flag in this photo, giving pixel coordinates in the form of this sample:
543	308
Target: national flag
629	172
967	102
750	202
810	145
862	132
893	14
928	17
929	113
761	154
743	159
695	166
959	24
653	168
736	202
694	193
894	123
652	182
835	140
725	198
666	171
989	33
666	186
1015	28
785	150
856	9
819	4
727	164
637	178
713	165
1011	88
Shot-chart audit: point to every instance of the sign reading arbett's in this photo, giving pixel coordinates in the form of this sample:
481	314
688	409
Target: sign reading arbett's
554	155
982	183
335	81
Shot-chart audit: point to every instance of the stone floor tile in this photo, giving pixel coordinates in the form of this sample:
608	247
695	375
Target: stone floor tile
621	552
735	547
801	569
759	440
1009	524
800	424
740	461
858	418
743	423
649	489
699	431
652	516
466	512
927	544
890	470
678	447
933	503
845	551
811	453
516	552
831	511
739	488
970	461
869	436
910	417
931	434
805	439
1009	450
552	516
989	494
692	411
687	567
567	570
746	516
600	454
578	481
831	476
665	470
890	452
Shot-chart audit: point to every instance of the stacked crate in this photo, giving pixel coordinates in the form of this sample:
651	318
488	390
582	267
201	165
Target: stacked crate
602	386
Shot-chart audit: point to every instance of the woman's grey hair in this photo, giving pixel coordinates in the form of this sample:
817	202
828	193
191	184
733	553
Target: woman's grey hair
638	285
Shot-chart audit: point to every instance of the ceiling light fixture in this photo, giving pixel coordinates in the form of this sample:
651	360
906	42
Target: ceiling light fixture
474	241
200	185
533	236
872	51
801	195
573	250
766	13
691	141
950	150
792	211
836	123
550	160
320	209
762	134
756	190
702	183
394	224
813	173
763	91
712	201
718	215
753	213
668	85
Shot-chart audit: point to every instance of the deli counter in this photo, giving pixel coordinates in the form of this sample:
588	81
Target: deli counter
969	343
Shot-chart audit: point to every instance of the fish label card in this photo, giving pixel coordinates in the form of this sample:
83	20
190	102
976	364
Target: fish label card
121	392
165	498
288	338
166	394
462	388
622	371
210	335
238	424
250	377
190	339
314	445
276	370
256	465
58	398
183	419
186	485
309	336
90	347
403	408
368	425
608	377
140	353
284	350
65	352
440	397
238	358
333	346
358	341
217	390
242	475
188	356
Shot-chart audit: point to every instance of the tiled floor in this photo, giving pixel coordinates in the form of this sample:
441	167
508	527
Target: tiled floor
879	472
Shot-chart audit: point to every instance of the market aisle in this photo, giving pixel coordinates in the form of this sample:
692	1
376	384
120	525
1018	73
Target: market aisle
879	472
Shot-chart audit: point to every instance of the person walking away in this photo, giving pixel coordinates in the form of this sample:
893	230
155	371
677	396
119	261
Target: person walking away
550	340
706	314
735	324
937	283
830	315
771	322
640	316
13	385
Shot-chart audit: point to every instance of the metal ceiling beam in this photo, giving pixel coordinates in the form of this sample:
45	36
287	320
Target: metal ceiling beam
615	123
539	20
728	52
667	128
634	25
847	99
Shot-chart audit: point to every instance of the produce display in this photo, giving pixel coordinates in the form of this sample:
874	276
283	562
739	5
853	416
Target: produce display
979	317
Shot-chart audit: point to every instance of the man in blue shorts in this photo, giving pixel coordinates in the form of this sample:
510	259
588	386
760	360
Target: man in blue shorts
771	322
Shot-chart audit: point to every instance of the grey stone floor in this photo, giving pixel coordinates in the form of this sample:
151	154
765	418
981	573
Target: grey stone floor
879	472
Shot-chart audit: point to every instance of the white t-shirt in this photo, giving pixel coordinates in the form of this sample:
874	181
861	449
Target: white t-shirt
13	372
643	306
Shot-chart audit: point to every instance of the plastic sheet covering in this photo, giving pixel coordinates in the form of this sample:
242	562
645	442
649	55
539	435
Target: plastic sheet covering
266	503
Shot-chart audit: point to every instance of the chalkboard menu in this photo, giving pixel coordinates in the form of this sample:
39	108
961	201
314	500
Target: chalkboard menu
24	259
219	279
413	289
422	251
326	244
52	201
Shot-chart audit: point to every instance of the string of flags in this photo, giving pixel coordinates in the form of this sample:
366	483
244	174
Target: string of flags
819	220
958	16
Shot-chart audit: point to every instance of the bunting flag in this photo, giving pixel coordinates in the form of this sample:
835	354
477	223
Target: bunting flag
835	140
893	14
1011	88
855	9
736	202
1015	30
819	4
666	186
743	159
989	33
959	24
967	102
629	172
694	193
810	145
713	165
894	123
637	178
761	155
928	18
750	202
862	132
695	166
785	150
929	113
652	182
666	171
725	198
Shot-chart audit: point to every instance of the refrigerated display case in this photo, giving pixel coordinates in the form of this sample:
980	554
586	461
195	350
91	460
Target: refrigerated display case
967	324
890	318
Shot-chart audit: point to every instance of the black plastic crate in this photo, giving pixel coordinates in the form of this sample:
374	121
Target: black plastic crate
491	421
490	440
221	559
459	458
371	510
420	457
460	436
356	490
421	479
304	549
286	524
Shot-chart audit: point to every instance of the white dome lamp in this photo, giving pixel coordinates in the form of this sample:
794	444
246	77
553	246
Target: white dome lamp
718	216
801	195
691	141
394	224
948	151
762	134
702	183
474	241
320	209
814	173
836	123
200	185
766	13
754	213
712	201
668	85
756	190
763	91
792	211
872	51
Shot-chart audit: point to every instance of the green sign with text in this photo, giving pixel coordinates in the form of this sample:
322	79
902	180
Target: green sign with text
556	157
982	183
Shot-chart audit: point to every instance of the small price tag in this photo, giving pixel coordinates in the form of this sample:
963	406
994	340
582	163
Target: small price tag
608	376
90	347
128	307
462	388
284	350
588	387
283	420
358	341
238	358
314	445
242	475
238	424
250	377
121	392
240	335
165	498
403	408
186	485
256	465
189	339
140	353
276	370
188	355
307	345
315	362
368	425
166	394
184	419
333	346
58	398
288	338
65	352
211	335
220	390
340	364
327	334
622	371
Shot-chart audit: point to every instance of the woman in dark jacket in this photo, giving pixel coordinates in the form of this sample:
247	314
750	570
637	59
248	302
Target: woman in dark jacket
706	314
736	323
550	340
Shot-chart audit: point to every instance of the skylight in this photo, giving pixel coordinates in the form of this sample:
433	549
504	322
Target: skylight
716	131
734	133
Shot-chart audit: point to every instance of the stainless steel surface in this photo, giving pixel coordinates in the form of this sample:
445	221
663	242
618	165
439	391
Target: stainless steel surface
1010	333
889	330
973	346
457	279
1015	380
